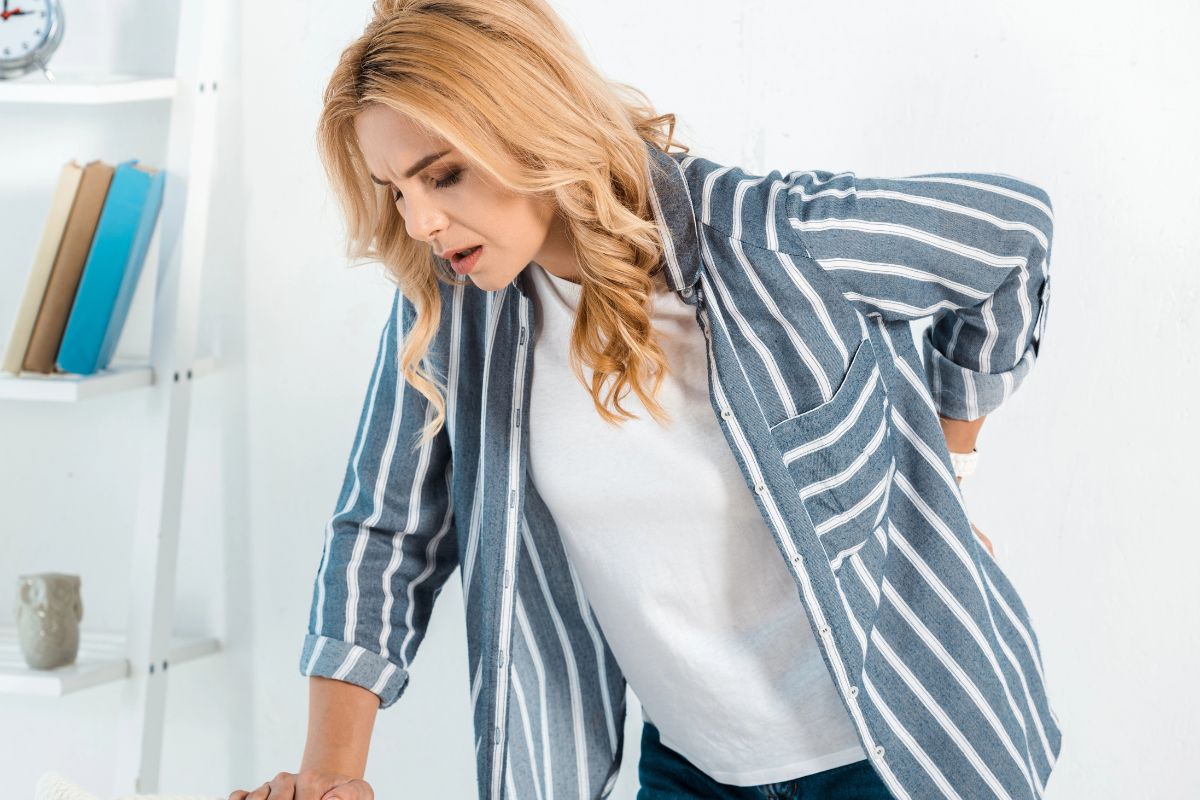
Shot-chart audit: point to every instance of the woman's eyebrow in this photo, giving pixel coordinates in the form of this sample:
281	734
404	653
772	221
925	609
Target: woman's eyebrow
415	168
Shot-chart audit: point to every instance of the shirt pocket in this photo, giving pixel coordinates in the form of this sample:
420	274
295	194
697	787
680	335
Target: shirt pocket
840	456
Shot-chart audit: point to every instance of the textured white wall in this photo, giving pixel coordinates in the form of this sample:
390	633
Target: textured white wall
1083	473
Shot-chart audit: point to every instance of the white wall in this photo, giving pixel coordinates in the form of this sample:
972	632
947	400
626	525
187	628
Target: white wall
1092	102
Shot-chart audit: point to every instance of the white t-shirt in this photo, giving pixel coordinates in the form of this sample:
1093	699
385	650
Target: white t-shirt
685	579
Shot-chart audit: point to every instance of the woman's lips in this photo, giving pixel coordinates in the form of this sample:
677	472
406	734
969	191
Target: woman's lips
463	265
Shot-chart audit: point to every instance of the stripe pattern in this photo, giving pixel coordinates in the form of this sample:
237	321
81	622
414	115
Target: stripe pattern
804	286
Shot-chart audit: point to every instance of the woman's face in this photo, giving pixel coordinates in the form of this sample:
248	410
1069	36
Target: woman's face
452	204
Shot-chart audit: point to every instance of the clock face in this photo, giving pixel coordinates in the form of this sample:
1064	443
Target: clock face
24	25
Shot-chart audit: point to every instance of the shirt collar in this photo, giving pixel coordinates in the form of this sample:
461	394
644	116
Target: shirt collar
675	217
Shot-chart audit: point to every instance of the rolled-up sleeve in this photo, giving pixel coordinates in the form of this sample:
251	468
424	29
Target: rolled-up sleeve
390	544
970	249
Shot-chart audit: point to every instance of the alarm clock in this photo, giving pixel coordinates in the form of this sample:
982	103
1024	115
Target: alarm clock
30	31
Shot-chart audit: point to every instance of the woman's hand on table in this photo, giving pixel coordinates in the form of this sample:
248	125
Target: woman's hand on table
308	784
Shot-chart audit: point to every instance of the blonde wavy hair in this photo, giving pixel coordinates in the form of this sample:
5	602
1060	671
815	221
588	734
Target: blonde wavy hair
505	82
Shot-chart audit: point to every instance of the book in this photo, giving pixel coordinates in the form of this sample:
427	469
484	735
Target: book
43	261
113	268
77	238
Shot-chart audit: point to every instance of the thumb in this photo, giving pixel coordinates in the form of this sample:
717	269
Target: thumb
349	790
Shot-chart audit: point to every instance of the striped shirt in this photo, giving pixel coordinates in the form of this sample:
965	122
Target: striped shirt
805	286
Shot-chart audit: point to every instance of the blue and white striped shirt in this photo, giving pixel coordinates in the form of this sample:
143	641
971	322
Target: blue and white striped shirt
805	285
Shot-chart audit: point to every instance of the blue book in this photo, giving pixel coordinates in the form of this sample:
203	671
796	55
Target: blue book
112	269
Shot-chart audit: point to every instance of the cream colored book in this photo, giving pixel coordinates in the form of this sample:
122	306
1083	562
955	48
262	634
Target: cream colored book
68	266
43	261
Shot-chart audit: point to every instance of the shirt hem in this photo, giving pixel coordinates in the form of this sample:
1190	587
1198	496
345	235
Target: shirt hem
797	769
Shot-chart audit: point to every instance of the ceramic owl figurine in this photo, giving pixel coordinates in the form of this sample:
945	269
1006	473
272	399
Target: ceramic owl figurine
49	608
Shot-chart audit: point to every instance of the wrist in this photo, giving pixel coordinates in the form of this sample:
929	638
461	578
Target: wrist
960	434
347	764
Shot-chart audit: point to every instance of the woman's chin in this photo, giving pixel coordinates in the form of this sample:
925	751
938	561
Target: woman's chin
487	280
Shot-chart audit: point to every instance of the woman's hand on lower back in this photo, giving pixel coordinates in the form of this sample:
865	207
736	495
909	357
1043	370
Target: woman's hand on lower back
986	541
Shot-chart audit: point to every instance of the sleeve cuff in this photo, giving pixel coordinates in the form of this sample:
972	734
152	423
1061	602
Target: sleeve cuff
332	658
962	393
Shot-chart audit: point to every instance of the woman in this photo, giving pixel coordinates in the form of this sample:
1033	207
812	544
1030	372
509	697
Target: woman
775	555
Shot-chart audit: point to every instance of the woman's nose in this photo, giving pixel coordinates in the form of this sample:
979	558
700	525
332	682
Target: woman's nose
424	222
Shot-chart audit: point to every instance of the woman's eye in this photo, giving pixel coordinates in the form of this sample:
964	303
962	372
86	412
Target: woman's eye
450	179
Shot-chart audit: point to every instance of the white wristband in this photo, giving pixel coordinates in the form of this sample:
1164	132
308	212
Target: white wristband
964	463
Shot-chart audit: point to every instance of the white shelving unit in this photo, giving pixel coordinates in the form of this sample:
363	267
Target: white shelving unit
101	660
68	388
138	657
85	89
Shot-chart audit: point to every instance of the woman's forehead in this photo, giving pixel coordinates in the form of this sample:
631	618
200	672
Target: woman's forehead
380	120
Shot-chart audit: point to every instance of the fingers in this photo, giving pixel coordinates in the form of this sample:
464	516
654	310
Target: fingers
267	790
242	794
281	787
308	785
986	541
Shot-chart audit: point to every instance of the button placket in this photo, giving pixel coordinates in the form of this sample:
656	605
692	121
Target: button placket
761	488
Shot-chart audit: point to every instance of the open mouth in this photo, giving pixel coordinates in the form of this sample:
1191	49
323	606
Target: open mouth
465	260
462	254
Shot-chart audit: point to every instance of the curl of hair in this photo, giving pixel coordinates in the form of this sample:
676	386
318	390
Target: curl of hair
529	108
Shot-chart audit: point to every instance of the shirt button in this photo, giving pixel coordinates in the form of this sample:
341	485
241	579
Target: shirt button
686	291
854	691
879	750
797	559
727	414
824	630
760	488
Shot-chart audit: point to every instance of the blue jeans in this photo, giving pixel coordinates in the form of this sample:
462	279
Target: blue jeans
666	775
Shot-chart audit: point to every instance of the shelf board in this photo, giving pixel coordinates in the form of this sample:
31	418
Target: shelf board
83	89
69	387
101	660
